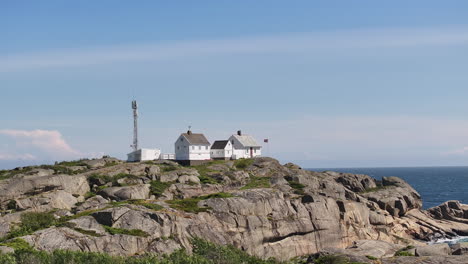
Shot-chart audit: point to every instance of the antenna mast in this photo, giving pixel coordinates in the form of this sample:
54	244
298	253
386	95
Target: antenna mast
135	125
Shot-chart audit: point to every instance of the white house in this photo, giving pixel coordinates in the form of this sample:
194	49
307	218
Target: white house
222	150
245	146
143	155
192	148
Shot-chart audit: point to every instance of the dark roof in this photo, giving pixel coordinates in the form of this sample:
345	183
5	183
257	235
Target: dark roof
219	144
196	139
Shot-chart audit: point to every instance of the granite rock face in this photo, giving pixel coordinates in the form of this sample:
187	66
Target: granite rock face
259	205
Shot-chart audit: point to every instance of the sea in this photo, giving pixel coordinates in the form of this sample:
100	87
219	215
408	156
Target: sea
436	185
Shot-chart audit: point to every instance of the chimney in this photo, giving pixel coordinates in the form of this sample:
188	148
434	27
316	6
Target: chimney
239	133
189	132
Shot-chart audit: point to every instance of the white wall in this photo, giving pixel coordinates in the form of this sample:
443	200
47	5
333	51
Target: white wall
144	155
222	153
181	148
199	152
240	152
185	151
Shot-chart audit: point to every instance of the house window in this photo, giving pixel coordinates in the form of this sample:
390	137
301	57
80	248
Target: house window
206	147
181	139
193	147
178	147
255	150
228	152
199	147
246	151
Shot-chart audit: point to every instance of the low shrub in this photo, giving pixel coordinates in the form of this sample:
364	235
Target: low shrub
191	204
257	182
16	244
31	222
157	188
298	188
243	163
404	251
122	231
203	253
332	259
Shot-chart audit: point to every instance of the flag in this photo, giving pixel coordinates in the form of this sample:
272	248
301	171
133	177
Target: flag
265	140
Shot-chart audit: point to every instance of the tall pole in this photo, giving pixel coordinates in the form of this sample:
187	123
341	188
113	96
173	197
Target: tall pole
135	125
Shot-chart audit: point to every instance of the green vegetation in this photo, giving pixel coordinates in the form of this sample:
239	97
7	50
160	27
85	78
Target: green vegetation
73	163
204	172
94	178
167	168
11	205
5	174
375	189
371	257
31	222
203	253
152	206
243	163
73	226
257	182
157	188
131	232
191	204
298	188
188	205
17	244
335	259
404	252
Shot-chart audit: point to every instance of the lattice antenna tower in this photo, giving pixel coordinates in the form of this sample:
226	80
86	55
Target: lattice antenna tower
135	125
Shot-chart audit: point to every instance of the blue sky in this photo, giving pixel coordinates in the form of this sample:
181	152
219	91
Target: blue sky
330	83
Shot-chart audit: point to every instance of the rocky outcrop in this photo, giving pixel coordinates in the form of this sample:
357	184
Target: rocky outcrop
395	196
260	206
26	186
140	191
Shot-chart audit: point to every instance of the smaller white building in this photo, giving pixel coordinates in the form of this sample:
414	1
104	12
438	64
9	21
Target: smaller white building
222	150
245	146
143	155
191	147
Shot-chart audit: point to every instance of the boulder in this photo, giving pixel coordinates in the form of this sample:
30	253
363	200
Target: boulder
88	223
15	188
450	210
374	248
6	250
396	196
65	238
48	201
356	182
433	250
93	203
188	179
460	248
135	192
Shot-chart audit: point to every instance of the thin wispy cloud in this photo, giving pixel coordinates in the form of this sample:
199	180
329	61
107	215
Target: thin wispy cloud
303	42
14	157
49	143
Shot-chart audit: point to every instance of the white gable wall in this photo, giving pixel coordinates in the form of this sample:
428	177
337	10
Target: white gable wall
222	153
185	151
181	148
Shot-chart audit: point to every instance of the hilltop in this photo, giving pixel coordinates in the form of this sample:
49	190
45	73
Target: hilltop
256	205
